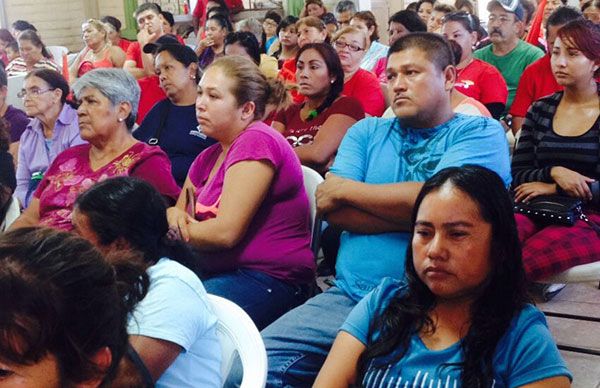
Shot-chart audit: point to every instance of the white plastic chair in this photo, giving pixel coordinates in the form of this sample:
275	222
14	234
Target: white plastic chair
238	334
14	85
311	180
13	212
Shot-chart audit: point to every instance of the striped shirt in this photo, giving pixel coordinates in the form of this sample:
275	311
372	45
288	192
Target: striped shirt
19	67
540	148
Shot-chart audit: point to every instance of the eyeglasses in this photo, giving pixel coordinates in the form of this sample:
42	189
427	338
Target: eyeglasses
32	92
352	47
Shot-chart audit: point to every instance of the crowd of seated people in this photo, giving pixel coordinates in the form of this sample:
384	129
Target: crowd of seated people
182	167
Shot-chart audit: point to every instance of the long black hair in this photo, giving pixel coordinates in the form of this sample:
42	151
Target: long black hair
334	66
500	298
133	210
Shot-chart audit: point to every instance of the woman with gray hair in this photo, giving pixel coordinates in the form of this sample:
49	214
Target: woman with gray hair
108	101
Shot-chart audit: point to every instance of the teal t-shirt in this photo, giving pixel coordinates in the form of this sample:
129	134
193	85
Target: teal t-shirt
511	65
378	151
526	353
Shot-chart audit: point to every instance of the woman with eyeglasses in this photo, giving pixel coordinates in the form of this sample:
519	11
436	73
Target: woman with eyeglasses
316	127
365	21
474	78
53	129
108	101
269	35
350	44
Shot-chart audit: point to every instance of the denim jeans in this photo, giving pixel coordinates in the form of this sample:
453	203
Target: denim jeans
298	342
263	297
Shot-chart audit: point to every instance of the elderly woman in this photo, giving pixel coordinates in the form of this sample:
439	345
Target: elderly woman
249	218
33	55
98	51
108	104
76	335
350	44
171	123
128	213
54	128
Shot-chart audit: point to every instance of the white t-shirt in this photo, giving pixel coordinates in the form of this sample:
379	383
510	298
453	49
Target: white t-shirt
176	309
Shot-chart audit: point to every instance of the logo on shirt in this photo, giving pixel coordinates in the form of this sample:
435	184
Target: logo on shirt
465	84
197	132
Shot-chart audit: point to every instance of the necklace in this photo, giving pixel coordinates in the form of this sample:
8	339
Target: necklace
94	54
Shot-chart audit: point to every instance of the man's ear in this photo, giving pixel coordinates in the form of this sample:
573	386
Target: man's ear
102	359
449	77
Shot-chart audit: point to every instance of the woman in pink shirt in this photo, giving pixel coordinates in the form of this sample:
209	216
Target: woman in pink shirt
243	206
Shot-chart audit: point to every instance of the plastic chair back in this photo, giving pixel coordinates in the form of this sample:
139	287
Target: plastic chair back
238	334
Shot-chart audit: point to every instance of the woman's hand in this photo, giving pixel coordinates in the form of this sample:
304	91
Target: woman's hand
205	43
528	191
179	221
572	183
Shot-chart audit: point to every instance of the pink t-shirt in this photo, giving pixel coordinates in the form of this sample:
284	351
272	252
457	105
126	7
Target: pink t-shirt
71	174
277	241
365	87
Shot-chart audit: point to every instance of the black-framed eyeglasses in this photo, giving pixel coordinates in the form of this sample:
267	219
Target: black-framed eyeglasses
351	46
32	92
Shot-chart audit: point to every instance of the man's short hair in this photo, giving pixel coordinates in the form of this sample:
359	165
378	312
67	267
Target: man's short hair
435	46
562	15
147	7
345	6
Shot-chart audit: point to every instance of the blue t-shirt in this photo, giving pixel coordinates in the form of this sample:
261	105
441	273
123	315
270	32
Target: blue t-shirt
176	309
379	151
180	138
525	354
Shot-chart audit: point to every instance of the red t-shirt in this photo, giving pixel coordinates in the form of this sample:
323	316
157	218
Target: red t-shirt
299	132
537	81
150	94
483	82
365	87
124	44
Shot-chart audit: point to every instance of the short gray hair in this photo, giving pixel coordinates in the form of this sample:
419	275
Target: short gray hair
344	6
251	25
115	84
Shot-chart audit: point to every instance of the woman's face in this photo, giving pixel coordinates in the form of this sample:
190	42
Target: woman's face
570	66
425	11
98	117
39	97
592	14
288	36
113	35
30	53
435	21
451	244
91	35
351	50
215	32
216	106
457	32
3	44
551	5
269	27
312	74
44	373
173	76
307	34
314	10
361	25
396	31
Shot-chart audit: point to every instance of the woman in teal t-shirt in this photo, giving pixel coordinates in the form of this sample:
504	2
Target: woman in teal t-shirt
461	317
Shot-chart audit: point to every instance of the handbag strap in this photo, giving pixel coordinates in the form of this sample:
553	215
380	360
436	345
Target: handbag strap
141	367
591	223
163	120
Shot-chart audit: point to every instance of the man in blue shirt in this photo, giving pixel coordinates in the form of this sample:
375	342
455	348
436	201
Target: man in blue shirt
370	192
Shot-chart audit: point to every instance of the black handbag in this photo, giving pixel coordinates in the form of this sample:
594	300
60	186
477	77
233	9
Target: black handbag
551	209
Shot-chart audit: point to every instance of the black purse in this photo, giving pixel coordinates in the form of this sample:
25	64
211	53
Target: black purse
551	209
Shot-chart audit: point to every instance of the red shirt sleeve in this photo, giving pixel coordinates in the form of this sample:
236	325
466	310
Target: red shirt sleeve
524	96
156	170
365	87
134	53
348	106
